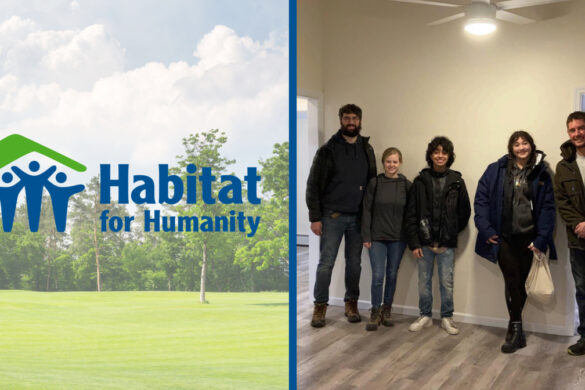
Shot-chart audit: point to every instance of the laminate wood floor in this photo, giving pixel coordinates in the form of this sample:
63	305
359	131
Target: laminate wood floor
344	356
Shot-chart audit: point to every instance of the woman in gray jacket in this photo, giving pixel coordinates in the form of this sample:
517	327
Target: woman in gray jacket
382	233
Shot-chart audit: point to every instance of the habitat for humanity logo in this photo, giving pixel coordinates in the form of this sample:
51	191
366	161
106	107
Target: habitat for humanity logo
16	146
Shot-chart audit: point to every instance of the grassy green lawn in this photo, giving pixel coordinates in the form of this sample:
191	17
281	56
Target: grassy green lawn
143	340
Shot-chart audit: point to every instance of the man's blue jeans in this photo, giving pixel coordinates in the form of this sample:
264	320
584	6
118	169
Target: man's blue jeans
578	268
385	257
445	263
334	228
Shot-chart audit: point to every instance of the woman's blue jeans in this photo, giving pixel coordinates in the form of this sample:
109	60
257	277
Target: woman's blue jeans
385	257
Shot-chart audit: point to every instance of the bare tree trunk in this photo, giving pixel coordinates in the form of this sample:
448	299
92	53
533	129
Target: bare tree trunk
169	283
203	273
51	246
97	250
97	257
48	272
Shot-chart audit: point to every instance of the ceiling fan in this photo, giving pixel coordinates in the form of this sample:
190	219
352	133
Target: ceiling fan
481	14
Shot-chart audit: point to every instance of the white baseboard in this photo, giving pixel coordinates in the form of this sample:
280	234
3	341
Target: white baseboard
303	239
468	318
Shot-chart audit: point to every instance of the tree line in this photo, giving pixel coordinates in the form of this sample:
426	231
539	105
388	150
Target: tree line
86	259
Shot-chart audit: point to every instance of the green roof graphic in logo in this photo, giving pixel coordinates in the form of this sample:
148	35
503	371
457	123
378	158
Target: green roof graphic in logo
15	146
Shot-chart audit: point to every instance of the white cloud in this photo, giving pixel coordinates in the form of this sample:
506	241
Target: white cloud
70	58
222	46
91	51
70	89
15	28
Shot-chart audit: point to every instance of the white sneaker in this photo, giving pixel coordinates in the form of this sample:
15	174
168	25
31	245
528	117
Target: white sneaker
449	325
421	322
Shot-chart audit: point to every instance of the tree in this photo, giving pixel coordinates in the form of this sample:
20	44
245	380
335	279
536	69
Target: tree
268	249
90	243
170	247
203	150
27	258
11	265
166	248
54	242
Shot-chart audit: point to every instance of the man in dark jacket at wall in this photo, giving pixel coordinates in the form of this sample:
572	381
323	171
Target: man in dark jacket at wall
438	210
337	181
570	199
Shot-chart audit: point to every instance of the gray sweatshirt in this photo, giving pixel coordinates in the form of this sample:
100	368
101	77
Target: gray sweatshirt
383	208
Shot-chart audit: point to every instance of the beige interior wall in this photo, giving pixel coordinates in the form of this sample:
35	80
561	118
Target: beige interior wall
414	82
310	85
309	48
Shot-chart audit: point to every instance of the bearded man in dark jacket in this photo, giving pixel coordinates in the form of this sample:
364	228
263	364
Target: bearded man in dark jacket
570	199
335	188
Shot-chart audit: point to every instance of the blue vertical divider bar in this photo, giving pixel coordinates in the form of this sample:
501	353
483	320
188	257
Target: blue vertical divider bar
292	209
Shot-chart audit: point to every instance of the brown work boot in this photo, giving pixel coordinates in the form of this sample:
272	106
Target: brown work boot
386	315
351	311
375	319
318	320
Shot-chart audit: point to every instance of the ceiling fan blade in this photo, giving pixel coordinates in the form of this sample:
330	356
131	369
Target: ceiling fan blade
425	2
511	4
510	17
447	19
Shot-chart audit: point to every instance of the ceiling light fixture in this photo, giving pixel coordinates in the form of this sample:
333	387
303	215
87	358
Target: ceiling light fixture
480	18
480	26
481	15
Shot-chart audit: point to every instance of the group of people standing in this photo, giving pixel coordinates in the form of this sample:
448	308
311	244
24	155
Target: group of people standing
514	214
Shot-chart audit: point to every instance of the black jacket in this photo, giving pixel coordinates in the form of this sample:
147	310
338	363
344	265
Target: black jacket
322	171
570	194
455	210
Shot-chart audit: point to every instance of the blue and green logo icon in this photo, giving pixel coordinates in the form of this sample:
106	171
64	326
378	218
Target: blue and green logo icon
34	182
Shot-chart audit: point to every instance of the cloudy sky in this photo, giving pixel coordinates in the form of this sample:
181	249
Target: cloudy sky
123	81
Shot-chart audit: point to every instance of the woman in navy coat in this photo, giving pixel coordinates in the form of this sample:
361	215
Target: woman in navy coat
515	217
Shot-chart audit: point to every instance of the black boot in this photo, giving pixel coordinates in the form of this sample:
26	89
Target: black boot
517	341
510	332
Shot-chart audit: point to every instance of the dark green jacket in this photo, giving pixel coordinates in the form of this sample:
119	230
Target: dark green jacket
570	193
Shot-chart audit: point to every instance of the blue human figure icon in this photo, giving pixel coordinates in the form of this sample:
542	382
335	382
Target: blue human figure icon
8	199
60	199
33	187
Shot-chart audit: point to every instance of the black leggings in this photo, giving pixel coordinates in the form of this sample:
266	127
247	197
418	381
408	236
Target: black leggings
515	260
